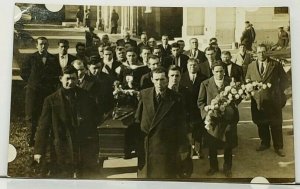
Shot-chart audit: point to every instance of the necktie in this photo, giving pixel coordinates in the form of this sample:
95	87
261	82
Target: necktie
193	78
262	69
158	98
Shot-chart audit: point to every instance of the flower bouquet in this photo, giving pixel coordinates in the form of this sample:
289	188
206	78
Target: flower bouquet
222	109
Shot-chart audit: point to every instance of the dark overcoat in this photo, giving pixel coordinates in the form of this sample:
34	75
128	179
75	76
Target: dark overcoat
165	135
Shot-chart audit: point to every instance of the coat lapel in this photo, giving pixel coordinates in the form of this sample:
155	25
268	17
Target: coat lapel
269	69
149	104
162	109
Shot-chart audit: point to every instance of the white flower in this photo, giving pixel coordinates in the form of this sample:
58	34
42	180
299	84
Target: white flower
249	87
230	97
206	122
264	86
241	91
233	91
225	104
227	89
248	80
232	83
269	85
210	113
254	83
207	126
206	108
213	102
243	87
237	96
216	106
252	93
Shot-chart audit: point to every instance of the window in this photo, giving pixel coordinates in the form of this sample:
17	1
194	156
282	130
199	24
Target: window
281	10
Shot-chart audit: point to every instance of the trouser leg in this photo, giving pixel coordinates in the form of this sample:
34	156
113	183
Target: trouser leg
227	158
264	134
213	159
276	131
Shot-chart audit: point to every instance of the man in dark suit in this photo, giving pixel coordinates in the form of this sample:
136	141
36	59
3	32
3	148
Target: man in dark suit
110	65
80	53
41	72
164	46
232	70
93	49
126	39
213	42
267	104
194	52
114	21
176	59
243	58
162	122
63	57
248	36
153	63
191	81
68	125
144	56
89	35
205	67
223	133
143	43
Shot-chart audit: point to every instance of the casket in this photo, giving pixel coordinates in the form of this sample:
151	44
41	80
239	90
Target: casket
112	133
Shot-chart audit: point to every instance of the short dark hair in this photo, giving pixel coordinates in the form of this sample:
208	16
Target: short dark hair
165	35
63	41
156	47
69	69
174	68
193	60
217	63
79	44
91	28
180	40
159	69
145	48
94	60
175	45
108	48
209	49
226	53
152	56
130	50
41	38
213	39
262	45
120	48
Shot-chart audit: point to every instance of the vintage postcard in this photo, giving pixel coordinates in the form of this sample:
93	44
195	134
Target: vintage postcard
152	93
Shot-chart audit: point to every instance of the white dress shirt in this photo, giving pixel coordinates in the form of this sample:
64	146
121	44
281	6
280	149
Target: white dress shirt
63	60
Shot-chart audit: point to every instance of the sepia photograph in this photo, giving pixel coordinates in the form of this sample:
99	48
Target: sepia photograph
200	94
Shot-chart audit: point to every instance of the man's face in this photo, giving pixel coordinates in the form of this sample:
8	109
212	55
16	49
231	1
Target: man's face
107	55
226	58
131	57
121	54
81	70
181	46
80	50
210	55
63	48
218	72
174	77
145	54
143	38
151	42
194	44
105	39
95	69
153	63
100	51
261	53
242	49
160	81
42	46
175	51
96	42
157	52
164	40
68	81
127	36
192	67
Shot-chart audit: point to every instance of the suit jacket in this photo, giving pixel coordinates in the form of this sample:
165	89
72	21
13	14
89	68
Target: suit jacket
112	71
40	76
208	91
170	60
200	55
205	69
165	52
236	73
266	104
121	42
193	89
165	134
71	58
146	81
64	127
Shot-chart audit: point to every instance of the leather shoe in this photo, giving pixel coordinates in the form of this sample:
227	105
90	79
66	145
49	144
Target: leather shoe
228	173
211	172
280	152
262	148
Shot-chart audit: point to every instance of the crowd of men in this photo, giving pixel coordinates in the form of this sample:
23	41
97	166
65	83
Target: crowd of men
68	96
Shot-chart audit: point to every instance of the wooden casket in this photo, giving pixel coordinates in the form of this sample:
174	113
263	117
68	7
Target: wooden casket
113	131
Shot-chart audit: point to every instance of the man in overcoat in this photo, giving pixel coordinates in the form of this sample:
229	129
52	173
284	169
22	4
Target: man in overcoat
162	122
267	104
41	72
224	133
68	126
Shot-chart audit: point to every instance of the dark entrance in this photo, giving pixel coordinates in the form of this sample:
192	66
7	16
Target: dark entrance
171	21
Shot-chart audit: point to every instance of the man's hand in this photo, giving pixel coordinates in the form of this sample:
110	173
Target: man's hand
37	157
